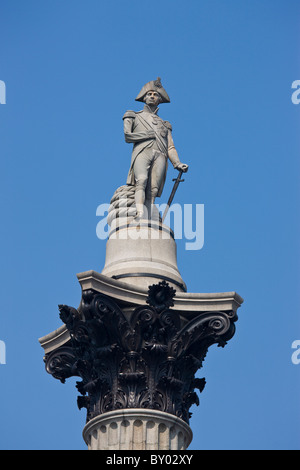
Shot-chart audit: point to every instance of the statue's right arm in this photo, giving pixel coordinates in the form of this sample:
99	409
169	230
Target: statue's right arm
132	136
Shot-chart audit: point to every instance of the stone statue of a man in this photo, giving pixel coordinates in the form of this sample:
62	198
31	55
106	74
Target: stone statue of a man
153	145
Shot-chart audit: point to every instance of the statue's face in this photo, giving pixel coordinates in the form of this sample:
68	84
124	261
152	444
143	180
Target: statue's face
152	98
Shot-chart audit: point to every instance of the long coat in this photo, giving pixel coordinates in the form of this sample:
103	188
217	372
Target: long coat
136	127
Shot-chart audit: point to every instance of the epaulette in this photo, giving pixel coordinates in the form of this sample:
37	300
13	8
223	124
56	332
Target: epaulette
129	114
168	125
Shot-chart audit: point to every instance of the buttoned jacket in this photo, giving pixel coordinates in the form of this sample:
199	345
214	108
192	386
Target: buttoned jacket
137	125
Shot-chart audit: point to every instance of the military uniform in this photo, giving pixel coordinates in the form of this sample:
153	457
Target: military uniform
153	151
152	147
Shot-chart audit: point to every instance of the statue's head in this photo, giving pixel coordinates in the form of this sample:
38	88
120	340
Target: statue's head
153	91
152	98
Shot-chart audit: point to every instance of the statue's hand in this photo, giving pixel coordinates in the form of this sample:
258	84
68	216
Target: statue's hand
182	167
151	134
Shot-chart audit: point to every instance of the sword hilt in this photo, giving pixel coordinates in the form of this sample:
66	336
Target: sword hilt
178	177
179	181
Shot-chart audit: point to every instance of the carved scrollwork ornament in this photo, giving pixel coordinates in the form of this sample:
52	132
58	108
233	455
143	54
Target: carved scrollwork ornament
160	296
145	359
61	363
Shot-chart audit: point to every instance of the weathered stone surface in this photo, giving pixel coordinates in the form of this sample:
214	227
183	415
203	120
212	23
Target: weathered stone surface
153	146
142	253
137	429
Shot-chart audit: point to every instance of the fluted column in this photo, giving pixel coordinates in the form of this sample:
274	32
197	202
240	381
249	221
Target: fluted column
137	429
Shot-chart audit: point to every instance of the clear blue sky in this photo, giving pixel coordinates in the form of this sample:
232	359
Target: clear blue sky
72	68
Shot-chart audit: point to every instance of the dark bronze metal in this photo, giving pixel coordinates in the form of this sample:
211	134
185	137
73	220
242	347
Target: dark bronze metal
139	357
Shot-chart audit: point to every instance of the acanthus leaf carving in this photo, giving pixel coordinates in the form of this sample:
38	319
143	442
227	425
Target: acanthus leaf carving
145	359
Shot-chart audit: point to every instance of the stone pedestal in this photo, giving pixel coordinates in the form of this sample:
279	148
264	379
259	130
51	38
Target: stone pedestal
137	429
141	253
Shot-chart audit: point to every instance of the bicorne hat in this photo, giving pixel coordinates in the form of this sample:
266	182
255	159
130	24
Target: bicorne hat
154	85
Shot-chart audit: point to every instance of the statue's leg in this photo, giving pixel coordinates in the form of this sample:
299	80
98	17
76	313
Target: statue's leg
141	169
157	174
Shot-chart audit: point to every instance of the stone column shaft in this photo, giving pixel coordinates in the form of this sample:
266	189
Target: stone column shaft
137	429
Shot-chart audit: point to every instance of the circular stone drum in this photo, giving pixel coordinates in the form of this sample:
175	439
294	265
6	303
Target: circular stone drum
141	253
137	429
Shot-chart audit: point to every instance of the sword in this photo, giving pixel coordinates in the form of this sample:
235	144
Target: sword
176	184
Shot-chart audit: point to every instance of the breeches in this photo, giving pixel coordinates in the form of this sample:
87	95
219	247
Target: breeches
149	170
